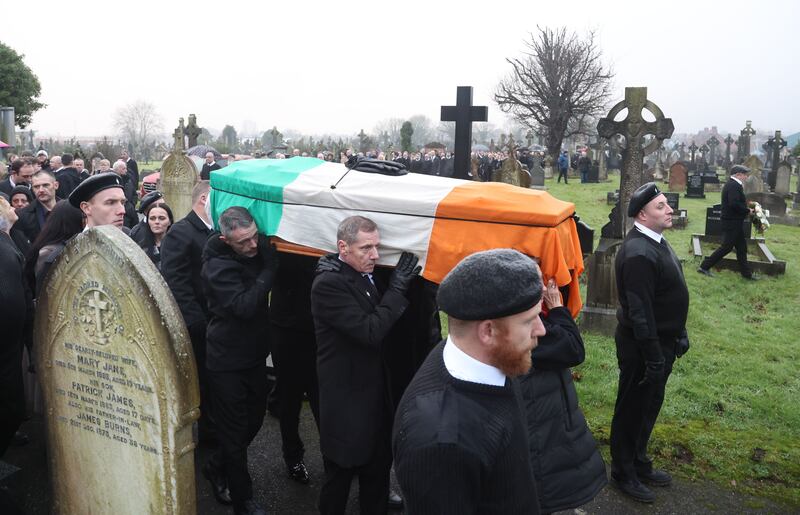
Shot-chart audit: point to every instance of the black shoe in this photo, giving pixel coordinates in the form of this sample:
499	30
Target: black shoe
19	439
219	487
655	478
750	278
703	271
248	507
395	502
634	489
298	472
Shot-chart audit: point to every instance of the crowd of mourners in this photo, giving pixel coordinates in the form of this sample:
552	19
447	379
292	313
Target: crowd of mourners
467	436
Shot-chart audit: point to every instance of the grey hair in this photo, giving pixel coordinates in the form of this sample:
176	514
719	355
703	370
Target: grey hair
233	218
120	164
350	227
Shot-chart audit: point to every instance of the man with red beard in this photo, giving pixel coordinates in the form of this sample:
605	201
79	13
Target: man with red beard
460	442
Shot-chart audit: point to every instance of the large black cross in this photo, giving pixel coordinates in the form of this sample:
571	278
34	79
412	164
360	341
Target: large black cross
463	113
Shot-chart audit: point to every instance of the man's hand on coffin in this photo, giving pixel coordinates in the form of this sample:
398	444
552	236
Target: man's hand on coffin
404	272
329	263
268	253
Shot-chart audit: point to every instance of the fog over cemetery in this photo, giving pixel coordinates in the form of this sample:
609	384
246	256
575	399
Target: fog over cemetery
549	129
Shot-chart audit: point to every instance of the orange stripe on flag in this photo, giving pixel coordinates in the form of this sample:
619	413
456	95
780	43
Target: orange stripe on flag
532	222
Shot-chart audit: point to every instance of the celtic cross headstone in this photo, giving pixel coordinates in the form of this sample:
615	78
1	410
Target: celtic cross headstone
693	149
192	131
634	128
712	143
744	140
728	142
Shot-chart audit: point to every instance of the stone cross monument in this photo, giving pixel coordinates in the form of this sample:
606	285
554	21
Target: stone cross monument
744	140
192	131
693	149
463	113
118	380
728	142
713	143
178	176
178	134
704	149
634	129
774	146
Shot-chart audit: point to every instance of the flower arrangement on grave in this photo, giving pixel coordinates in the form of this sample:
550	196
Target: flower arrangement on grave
759	217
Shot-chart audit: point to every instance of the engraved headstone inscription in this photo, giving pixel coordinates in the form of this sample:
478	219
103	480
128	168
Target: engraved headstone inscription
119	382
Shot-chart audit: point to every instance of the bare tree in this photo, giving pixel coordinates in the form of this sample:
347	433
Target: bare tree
558	85
138	123
390	126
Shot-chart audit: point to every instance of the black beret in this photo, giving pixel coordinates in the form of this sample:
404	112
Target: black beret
740	169
24	190
490	284
643	194
93	185
149	199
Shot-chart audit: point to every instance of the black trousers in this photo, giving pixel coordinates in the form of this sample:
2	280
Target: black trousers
294	354
239	402
562	173
637	407
197	333
733	236
12	391
373	483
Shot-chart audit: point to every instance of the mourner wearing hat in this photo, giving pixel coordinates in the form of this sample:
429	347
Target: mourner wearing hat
353	314
102	200
152	198
460	440
734	213
651	333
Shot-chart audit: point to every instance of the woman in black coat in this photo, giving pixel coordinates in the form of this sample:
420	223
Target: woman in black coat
568	468
159	219
64	222
15	306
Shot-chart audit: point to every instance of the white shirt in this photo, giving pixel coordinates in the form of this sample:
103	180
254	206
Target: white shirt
648	232
737	180
463	366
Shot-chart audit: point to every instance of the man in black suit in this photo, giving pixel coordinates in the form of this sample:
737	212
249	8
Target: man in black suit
209	166
734	212
67	176
181	263
20	175
352	317
32	218
133	168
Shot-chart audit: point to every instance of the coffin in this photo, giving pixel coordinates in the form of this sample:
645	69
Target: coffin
301	201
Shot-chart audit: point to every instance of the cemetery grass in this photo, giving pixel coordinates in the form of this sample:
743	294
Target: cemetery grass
731	413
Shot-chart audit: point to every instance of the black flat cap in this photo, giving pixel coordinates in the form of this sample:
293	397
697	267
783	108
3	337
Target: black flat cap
490	284
643	194
93	185
149	199
22	189
739	169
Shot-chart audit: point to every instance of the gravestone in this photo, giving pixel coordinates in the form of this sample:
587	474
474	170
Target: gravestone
712	143
178	177
695	188
585	236
772	202
728	162
463	113
743	149
677	176
773	147
679	216
753	184
599	312
548	167
192	131
782	178
594	173
714	223
537	175
612	197
754	164
119	382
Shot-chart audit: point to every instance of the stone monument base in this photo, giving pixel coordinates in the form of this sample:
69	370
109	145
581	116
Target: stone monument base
767	264
599	313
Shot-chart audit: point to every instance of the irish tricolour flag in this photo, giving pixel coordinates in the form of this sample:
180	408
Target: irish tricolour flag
302	200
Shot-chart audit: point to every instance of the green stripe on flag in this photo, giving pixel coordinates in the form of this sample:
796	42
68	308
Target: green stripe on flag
257	185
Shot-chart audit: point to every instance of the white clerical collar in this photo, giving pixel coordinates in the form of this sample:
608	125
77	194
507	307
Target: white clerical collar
463	366
211	163
737	180
648	232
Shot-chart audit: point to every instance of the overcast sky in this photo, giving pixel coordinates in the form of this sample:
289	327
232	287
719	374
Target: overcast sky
339	66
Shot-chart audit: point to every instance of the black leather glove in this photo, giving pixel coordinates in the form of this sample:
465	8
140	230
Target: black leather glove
328	263
405	270
268	254
653	372
681	345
